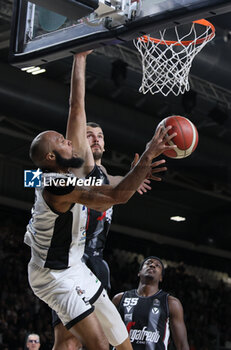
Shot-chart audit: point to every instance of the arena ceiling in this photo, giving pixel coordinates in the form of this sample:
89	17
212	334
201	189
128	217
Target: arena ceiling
198	187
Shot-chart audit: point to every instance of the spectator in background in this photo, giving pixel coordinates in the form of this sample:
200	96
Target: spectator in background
33	341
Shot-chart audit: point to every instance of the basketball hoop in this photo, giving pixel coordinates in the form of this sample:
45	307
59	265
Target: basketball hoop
166	63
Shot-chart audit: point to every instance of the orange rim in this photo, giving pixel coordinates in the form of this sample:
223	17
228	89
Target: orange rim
203	22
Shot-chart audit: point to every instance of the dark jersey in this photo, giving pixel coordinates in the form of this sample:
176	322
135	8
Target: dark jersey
146	319
98	223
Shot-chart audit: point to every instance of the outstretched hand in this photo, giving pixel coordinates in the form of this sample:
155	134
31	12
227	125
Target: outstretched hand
154	168
160	142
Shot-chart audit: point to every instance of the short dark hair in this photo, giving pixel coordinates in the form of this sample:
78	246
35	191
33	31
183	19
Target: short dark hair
153	257
93	125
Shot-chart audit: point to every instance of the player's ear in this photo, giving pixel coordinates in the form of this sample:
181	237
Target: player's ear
50	156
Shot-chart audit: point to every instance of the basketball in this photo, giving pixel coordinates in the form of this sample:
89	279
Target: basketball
186	139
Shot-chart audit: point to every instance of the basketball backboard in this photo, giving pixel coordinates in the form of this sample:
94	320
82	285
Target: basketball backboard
40	35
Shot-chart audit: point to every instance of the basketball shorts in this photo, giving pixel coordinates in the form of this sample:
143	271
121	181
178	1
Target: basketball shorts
110	320
101	270
70	292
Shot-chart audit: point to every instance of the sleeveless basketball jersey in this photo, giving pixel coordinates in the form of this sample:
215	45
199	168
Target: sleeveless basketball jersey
98	223
146	319
56	239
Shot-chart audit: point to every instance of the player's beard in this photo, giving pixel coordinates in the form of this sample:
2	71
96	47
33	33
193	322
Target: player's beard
97	155
73	162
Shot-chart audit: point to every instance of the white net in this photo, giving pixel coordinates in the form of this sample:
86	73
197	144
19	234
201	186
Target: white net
166	64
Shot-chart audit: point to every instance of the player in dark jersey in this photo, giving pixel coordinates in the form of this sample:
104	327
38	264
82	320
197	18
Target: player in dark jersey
98	223
150	313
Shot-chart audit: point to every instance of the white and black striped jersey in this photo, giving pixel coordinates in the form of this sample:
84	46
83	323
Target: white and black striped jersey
146	319
57	240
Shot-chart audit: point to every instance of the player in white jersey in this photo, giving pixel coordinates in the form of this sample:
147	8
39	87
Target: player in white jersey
97	228
66	284
65	232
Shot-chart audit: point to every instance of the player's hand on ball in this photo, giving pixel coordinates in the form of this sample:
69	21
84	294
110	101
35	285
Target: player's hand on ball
159	142
186	139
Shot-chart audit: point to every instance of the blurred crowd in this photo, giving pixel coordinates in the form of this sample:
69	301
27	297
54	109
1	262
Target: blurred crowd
207	310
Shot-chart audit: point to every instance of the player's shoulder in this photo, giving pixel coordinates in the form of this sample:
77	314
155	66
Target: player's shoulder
103	169
174	304
97	171
117	299
173	300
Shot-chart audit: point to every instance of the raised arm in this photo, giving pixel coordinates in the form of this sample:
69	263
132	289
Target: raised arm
177	325
76	124
103	197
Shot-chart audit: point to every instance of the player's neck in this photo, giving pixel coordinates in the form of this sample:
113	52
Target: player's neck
98	162
146	290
